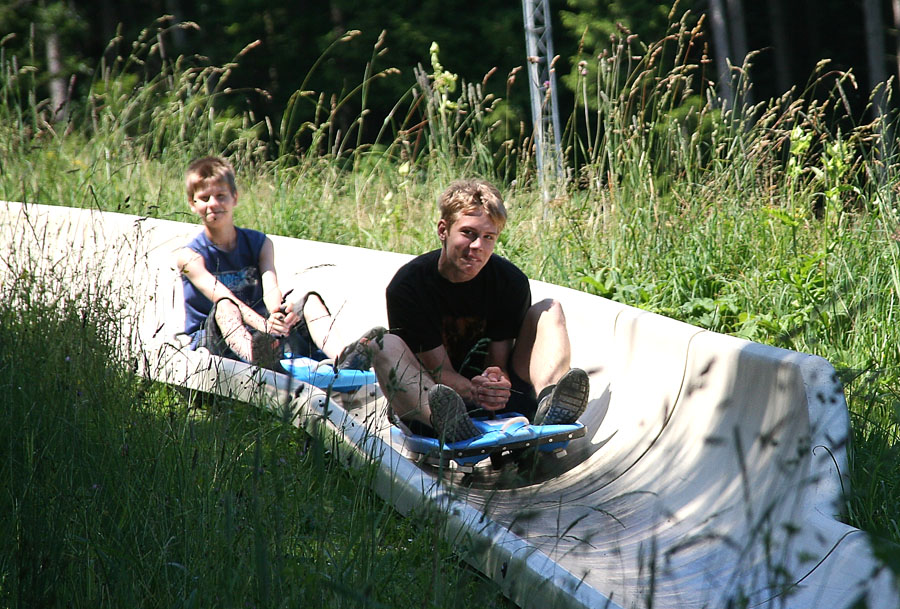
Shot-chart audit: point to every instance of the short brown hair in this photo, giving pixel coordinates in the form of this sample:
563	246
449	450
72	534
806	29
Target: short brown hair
472	195
206	171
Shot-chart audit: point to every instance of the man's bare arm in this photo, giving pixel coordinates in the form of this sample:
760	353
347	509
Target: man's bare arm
437	362
490	389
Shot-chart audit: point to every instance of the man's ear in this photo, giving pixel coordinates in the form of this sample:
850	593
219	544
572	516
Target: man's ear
442	229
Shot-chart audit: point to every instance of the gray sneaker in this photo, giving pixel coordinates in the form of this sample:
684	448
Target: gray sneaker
565	401
449	417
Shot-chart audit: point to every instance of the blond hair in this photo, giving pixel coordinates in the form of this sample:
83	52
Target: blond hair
470	196
204	172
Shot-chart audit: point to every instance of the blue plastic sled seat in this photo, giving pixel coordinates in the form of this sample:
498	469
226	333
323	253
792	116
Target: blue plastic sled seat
505	433
323	376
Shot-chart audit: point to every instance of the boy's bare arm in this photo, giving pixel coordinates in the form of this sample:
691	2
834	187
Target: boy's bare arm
271	291
282	315
191	264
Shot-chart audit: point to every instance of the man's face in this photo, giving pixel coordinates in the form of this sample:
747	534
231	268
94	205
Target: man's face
214	202
466	245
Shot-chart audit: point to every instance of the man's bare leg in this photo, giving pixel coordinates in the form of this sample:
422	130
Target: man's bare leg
543	351
411	392
542	354
403	379
413	395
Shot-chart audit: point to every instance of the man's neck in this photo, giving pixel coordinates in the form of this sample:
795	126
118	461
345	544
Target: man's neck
224	238
449	272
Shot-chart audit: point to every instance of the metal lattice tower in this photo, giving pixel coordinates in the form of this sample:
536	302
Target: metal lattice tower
542	87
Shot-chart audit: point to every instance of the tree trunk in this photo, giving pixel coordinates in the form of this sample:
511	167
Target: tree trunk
739	44
875	52
738	30
895	5
271	33
339	27
720	43
173	7
58	92
109	20
780	45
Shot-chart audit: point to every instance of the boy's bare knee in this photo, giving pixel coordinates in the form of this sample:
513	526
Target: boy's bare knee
313	307
226	309
315	299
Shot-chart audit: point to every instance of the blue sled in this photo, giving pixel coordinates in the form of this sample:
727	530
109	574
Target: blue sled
517	434
323	376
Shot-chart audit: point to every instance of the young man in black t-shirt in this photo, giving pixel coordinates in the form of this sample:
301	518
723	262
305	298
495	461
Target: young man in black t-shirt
464	336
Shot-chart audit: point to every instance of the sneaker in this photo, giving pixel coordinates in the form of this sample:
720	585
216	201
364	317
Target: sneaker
359	355
565	401
449	417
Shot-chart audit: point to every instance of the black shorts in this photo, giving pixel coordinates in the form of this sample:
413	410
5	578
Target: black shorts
297	344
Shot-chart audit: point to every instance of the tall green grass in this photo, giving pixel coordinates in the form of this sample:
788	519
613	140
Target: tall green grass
775	222
116	493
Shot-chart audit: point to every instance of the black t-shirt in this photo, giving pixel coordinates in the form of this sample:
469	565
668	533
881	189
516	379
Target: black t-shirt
426	310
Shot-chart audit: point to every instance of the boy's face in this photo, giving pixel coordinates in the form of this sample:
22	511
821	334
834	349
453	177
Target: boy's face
214	203
466	245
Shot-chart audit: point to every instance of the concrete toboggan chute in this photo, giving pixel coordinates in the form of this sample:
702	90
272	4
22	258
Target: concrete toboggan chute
710	474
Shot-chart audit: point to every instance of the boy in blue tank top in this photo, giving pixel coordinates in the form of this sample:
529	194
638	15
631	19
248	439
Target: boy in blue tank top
233	303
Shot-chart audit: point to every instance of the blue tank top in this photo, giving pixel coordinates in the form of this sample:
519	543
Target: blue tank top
238	270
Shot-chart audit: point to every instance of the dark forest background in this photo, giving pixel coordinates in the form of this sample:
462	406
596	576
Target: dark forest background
63	45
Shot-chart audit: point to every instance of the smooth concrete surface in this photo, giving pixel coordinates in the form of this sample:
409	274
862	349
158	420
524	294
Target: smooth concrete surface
711	475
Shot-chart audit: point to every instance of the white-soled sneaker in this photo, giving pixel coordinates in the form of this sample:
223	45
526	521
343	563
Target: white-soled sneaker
566	401
449	417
